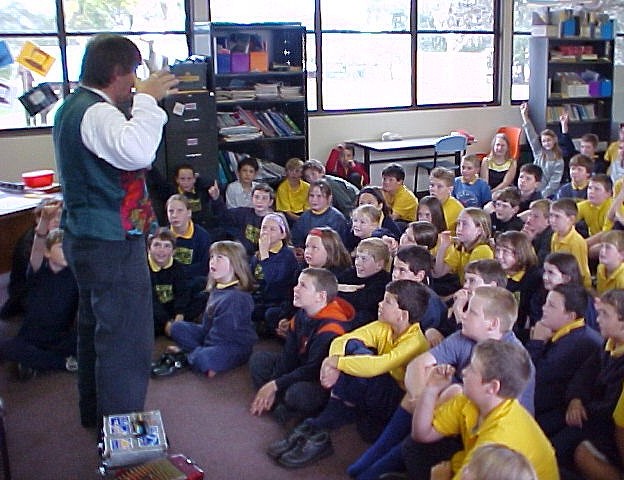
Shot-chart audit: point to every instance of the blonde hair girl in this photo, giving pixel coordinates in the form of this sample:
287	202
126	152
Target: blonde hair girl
498	169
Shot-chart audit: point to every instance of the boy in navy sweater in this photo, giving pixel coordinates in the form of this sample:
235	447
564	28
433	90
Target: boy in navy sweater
47	337
291	377
559	344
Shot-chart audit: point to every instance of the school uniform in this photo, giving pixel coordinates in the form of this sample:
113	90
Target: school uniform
573	243
451	208
457	258
556	361
403	204
595	216
610	281
289	199
331	217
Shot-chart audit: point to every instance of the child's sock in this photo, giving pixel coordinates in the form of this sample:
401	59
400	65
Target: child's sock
395	432
334	415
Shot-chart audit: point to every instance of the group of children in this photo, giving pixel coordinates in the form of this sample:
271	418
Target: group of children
458	332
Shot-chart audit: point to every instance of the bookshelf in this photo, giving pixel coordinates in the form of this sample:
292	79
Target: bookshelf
572	74
259	81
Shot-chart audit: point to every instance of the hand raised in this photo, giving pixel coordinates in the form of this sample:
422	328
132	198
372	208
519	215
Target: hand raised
158	85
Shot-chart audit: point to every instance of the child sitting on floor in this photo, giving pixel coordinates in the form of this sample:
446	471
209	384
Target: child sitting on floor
288	381
468	188
498	169
171	292
238	193
47	338
291	197
363	285
487	412
226	336
274	268
441	181
610	273
364	370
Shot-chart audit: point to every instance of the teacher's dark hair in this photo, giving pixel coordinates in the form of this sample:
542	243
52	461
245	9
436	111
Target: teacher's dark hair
105	56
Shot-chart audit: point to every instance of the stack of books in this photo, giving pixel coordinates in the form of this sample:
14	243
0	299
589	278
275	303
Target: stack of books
290	92
267	90
240	133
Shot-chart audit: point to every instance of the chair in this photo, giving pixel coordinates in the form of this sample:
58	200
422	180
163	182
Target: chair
513	134
451	144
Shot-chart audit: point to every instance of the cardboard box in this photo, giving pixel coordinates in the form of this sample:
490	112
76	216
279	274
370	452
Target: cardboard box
240	62
258	62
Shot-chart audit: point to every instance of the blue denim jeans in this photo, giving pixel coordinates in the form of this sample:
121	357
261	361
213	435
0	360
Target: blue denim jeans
115	324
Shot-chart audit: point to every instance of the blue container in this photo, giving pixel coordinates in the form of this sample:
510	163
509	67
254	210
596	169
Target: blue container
224	63
607	30
606	88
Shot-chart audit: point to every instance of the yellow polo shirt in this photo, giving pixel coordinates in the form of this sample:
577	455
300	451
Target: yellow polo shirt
452	208
618	413
457	258
508	424
288	199
612	151
606	282
595	216
403	204
393	354
576	245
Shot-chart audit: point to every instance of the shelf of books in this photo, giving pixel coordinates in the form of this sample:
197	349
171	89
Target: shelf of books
259	82
572	71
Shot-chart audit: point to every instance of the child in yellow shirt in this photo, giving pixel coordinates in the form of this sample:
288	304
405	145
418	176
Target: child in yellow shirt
565	238
610	273
401	201
441	181
291	197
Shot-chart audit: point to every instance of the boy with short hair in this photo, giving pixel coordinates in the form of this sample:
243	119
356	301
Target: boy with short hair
191	186
291	197
594	211
559	344
238	193
562	218
491	313
468	188
400	199
537	227
192	241
288	381
581	169
344	193
246	221
171	292
610	272
441	181
487	412
529	180
415	263
364	370
341	163
506	207
46	339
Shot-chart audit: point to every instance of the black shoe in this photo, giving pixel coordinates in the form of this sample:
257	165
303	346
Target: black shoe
308	450
169	364
280	447
25	373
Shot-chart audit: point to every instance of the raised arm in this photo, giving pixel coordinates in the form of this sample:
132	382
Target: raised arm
42	229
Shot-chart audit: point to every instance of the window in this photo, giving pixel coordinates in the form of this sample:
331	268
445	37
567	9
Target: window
160	25
520	50
455	60
372	55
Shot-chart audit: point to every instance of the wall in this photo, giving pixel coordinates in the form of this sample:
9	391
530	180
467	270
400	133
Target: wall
34	151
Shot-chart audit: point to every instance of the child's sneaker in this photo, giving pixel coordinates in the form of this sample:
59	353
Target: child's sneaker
71	364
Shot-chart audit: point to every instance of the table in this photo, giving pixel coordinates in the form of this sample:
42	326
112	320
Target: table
417	144
16	216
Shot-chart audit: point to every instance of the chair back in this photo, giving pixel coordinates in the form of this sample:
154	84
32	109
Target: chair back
513	134
451	144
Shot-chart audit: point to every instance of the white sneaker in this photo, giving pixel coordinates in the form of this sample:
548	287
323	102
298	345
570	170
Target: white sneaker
71	364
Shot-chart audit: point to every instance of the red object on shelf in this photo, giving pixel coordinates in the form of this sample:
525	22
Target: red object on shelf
38	178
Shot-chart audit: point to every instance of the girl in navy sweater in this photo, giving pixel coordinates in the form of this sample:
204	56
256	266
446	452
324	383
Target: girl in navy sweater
275	269
226	336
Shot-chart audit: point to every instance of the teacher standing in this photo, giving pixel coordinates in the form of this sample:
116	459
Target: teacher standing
102	153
